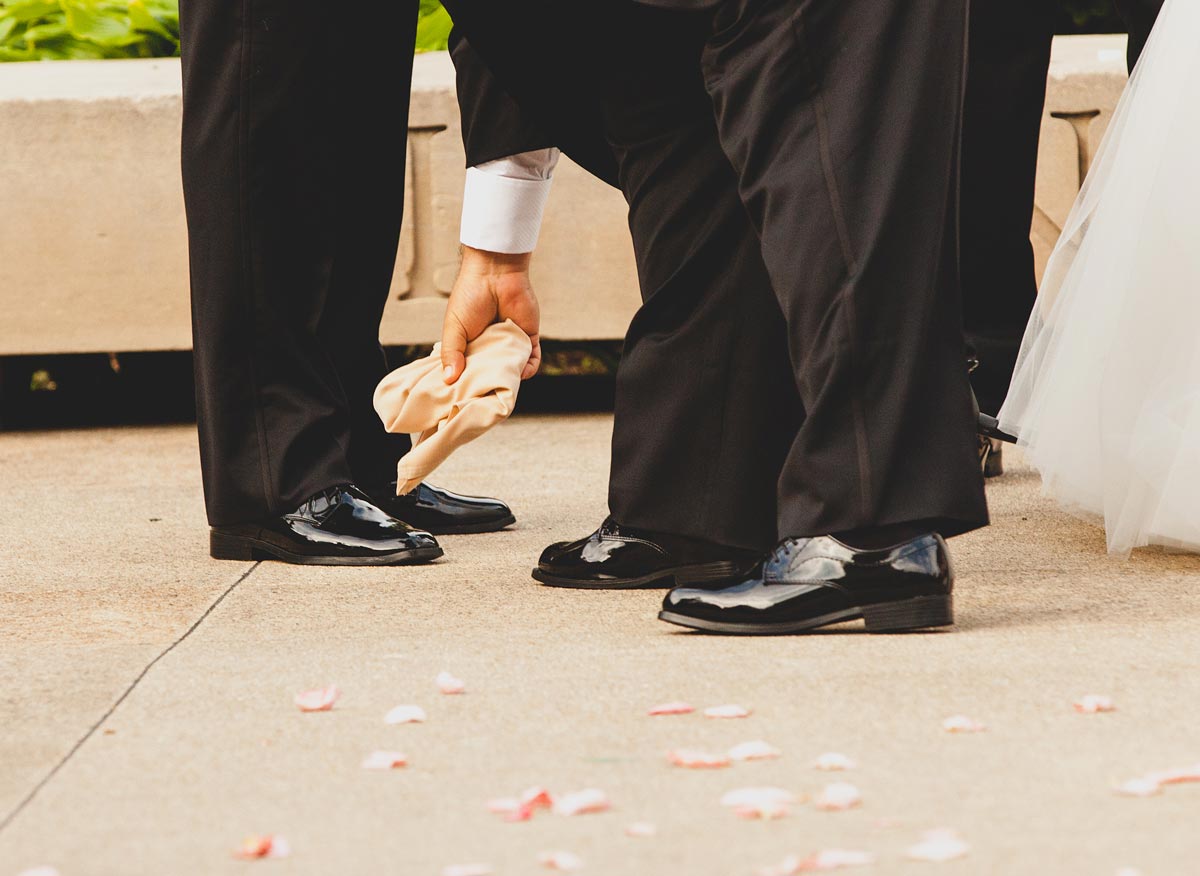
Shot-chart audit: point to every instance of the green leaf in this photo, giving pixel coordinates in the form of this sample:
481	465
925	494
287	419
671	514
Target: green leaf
433	30
141	19
88	21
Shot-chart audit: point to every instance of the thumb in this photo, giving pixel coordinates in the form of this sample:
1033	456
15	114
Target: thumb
454	348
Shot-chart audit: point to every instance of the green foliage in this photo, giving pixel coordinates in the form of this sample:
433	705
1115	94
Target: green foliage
433	27
54	30
35	30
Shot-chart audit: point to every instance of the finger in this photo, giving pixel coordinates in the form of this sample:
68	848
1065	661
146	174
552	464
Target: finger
535	359
454	348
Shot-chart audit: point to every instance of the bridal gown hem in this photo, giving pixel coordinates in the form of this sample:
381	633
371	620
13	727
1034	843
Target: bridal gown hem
1106	394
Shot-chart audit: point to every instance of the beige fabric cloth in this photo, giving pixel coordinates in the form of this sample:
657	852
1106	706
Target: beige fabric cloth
441	418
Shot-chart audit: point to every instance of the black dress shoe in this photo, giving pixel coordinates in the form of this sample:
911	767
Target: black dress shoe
339	526
442	512
616	557
810	582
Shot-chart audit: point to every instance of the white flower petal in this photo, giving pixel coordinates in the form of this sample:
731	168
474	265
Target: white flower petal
405	715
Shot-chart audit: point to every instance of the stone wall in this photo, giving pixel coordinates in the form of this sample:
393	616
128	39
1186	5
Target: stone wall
92	235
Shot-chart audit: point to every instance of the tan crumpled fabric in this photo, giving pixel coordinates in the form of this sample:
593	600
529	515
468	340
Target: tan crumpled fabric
441	418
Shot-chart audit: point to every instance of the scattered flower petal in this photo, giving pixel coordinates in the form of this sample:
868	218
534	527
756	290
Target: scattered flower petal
522	808
1129	871
384	760
962	724
40	871
405	715
835	859
583	802
265	846
1143	787
467	870
672	709
831	761
318	700
694	759
1093	704
826	859
838	796
939	845
766	803
789	866
562	861
757	750
641	829
730	711
1177	776
448	684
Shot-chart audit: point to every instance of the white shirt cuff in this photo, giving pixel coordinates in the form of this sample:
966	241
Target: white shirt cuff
501	213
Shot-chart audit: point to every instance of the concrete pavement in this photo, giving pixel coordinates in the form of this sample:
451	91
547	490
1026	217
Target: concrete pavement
107	597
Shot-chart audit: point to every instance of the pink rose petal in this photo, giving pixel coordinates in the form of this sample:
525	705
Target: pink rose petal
694	759
672	709
522	808
729	711
1093	704
837	797
757	750
384	760
831	761
467	870
962	724
835	859
448	684
319	700
826	859
789	866
641	829
766	803
937	846
1143	787
405	715
586	802
1176	776
564	862
264	846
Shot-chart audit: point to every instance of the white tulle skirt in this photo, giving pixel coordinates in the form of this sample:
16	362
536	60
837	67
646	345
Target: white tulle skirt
1106	394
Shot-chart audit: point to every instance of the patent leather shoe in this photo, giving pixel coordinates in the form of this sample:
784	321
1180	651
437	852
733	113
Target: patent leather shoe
339	526
442	512
806	583
616	557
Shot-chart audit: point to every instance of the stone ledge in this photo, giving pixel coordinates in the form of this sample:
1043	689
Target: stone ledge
93	243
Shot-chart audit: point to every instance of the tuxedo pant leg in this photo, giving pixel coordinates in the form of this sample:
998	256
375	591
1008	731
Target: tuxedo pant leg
706	407
293	169
1009	59
842	121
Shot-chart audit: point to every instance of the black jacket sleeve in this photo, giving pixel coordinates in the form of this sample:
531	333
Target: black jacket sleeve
493	125
534	106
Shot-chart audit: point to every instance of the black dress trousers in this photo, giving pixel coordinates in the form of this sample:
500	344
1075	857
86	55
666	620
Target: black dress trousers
1006	92
791	173
294	139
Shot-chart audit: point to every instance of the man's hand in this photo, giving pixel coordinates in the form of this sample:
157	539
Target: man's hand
490	287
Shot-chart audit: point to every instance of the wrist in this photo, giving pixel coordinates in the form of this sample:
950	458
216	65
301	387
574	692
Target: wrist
483	263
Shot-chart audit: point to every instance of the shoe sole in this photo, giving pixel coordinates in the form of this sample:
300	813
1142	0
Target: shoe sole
919	613
472	528
681	576
238	547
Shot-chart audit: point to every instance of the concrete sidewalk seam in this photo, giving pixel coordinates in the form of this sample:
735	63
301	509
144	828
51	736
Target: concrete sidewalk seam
91	731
